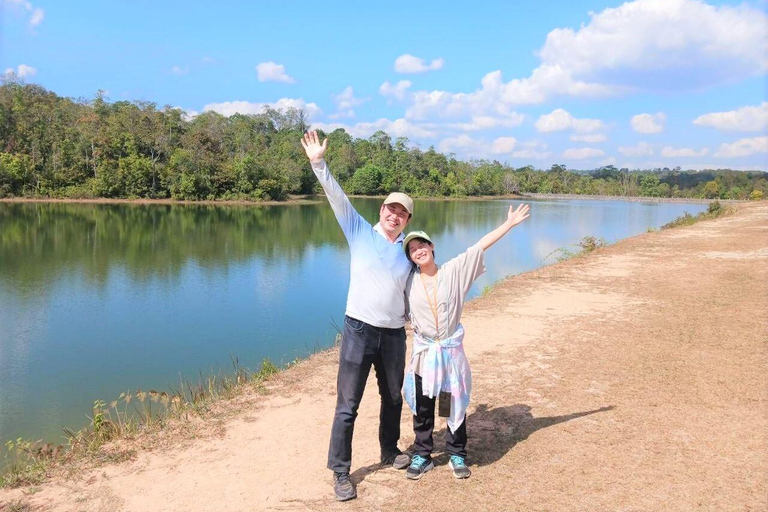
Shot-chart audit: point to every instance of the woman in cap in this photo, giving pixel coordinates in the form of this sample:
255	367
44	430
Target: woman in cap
434	301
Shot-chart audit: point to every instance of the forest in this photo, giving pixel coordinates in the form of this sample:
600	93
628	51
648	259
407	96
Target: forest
58	147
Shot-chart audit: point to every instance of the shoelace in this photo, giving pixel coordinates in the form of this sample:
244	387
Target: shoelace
457	461
342	477
417	461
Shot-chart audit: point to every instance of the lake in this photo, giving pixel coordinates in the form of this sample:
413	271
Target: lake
97	299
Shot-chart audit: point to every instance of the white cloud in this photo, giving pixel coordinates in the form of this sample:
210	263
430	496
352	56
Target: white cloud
503	145
396	128
744	119
25	71
641	45
669	44
532	150
608	161
582	153
743	147
346	102
719	165
641	149
560	119
272	72
478	123
589	139
468	147
410	64
188	115
37	17
36	14
530	154
463	145
228	108
179	71
649	123
21	71
497	97
671	152
397	91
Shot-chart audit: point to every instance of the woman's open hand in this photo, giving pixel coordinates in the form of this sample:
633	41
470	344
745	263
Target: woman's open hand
515	217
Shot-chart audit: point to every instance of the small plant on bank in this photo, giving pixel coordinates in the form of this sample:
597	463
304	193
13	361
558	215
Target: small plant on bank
586	245
686	219
590	243
268	369
25	463
18	506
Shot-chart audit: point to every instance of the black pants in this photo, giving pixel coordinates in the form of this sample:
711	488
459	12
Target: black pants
363	345
424	424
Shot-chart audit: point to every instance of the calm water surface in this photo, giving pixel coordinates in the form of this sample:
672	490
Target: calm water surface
99	299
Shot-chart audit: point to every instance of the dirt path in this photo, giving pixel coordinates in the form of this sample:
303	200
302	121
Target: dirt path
633	379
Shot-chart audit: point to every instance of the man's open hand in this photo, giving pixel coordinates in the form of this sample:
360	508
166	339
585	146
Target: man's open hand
315	150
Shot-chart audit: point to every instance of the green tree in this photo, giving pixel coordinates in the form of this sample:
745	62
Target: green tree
366	180
711	190
15	174
135	176
649	185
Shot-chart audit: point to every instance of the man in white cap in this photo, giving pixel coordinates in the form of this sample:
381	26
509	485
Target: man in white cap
374	332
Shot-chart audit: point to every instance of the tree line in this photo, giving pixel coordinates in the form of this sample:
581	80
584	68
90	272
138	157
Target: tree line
52	146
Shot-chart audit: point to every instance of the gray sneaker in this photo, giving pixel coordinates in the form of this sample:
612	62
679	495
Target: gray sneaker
419	466
397	460
343	487
459	467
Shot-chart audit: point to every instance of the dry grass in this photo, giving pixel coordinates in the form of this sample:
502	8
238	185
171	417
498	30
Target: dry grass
140	420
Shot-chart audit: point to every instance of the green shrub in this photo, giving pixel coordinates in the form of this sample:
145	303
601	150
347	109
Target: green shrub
366	180
714	210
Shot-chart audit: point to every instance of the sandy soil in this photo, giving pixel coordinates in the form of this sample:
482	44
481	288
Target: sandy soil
633	379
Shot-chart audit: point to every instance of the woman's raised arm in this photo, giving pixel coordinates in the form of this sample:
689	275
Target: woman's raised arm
514	217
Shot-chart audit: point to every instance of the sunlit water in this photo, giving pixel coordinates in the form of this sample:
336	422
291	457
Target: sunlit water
99	299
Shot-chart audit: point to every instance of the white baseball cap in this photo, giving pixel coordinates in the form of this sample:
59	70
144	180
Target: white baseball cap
402	199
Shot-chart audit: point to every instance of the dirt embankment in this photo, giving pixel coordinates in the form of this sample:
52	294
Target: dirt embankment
633	379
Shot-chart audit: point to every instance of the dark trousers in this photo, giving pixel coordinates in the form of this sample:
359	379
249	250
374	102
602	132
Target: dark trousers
424	424
363	345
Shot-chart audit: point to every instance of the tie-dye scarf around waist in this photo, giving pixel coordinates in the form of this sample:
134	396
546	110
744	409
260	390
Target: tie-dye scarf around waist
444	367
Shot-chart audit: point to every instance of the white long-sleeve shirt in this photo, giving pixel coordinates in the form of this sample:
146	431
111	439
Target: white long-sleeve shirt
379	268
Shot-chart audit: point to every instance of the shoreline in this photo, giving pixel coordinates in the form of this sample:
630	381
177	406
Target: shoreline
694	200
662	369
106	200
314	199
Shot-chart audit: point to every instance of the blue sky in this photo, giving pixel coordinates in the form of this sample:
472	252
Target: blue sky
647	83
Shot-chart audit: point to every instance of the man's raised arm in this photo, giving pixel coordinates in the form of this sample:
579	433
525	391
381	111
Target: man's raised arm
349	220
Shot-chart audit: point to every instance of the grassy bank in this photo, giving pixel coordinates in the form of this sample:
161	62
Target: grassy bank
133	415
714	210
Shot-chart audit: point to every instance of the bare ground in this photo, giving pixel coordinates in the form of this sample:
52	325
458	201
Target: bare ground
633	379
